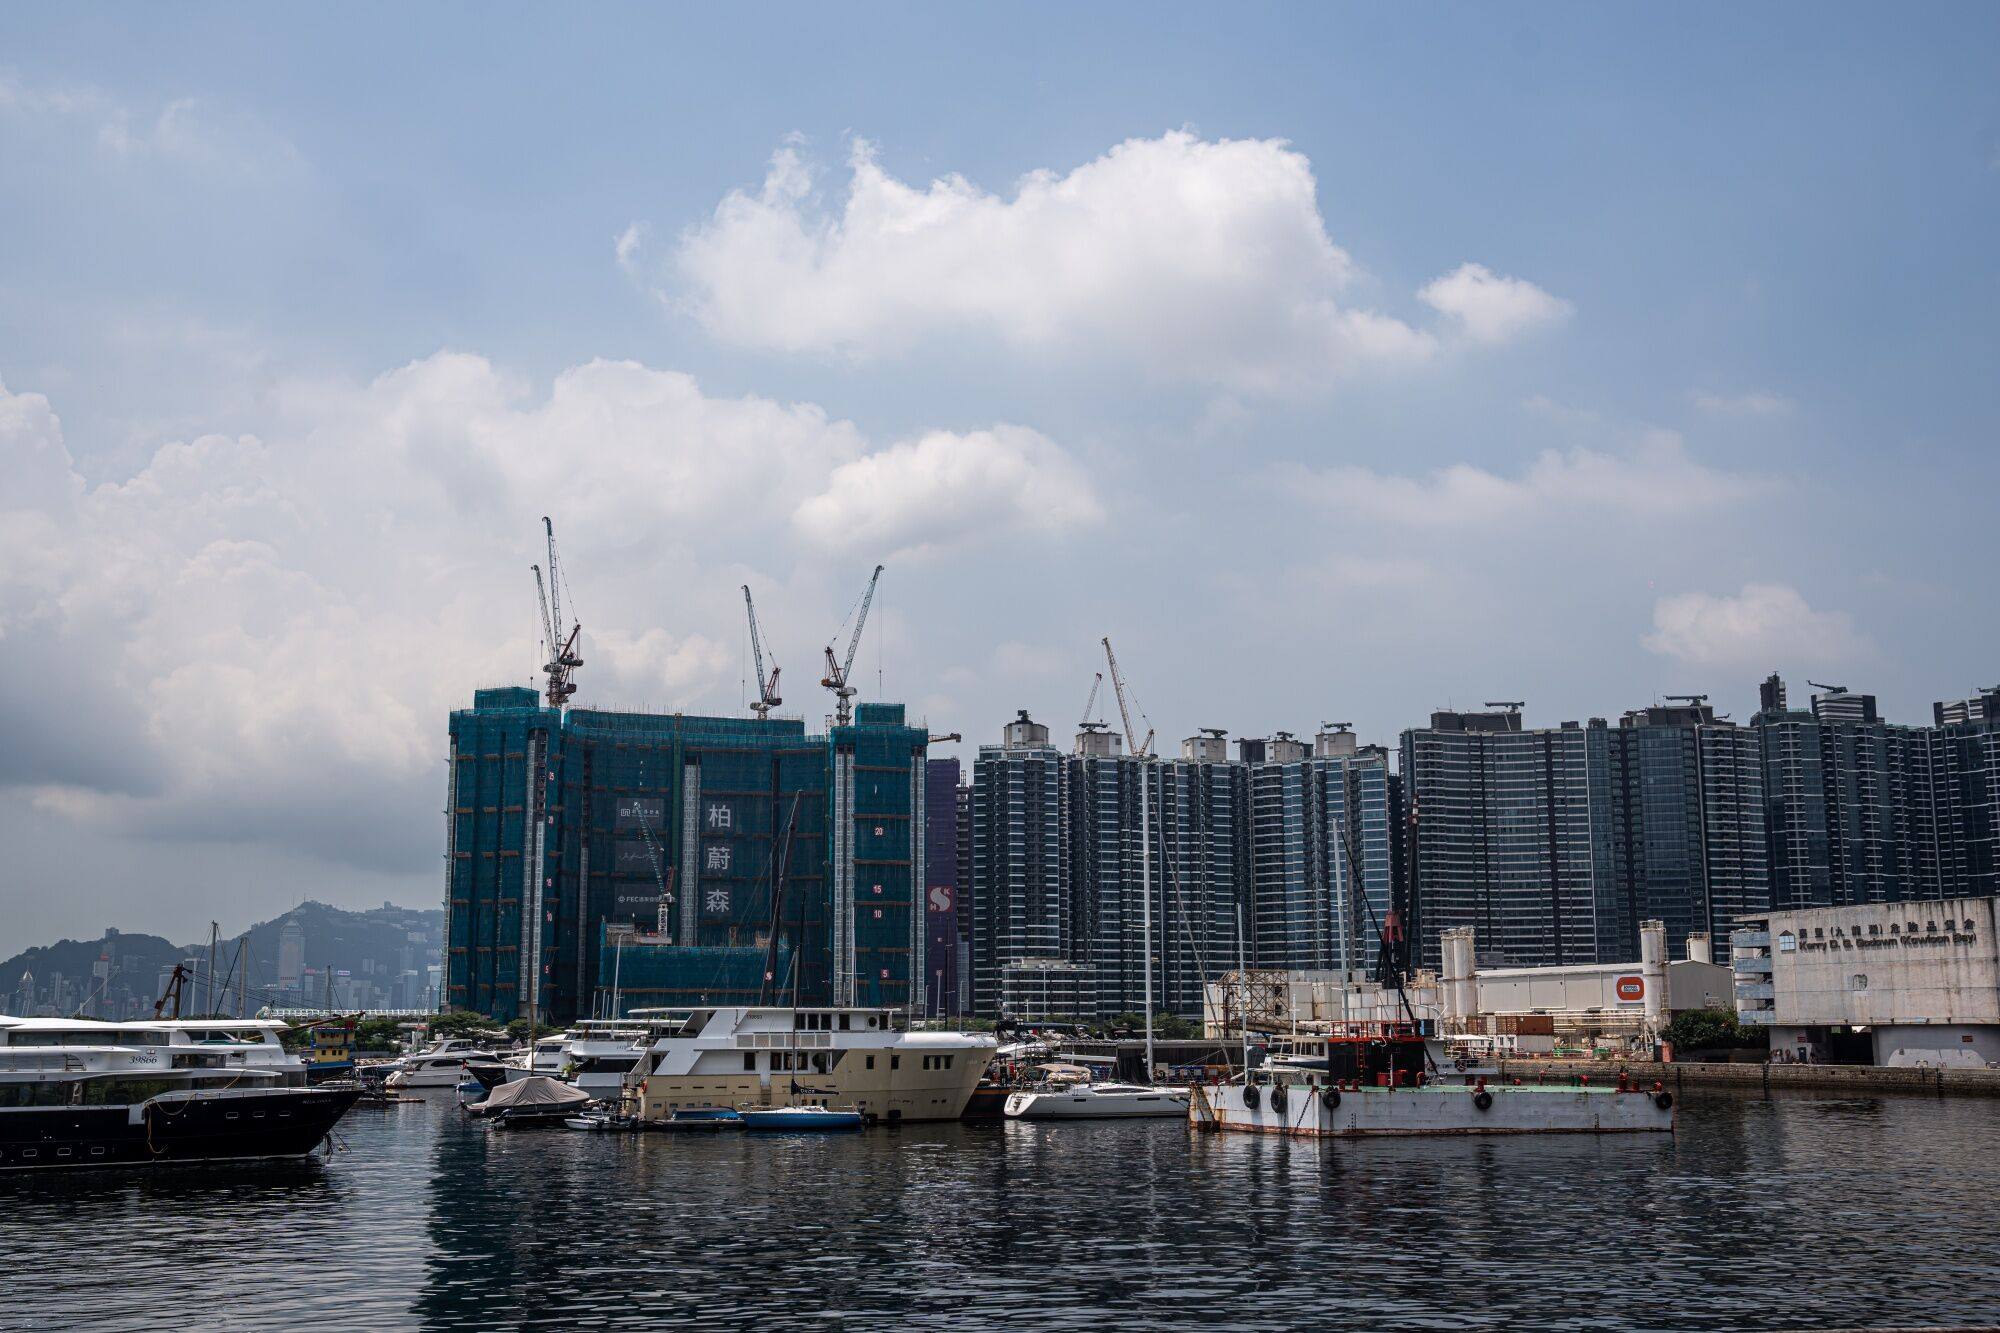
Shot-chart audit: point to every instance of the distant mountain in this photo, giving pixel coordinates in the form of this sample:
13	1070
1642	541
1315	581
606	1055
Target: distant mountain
385	957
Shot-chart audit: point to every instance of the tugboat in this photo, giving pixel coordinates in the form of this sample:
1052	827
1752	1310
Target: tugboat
77	1093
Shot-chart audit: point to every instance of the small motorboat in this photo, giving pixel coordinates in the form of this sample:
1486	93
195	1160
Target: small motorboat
794	1119
536	1099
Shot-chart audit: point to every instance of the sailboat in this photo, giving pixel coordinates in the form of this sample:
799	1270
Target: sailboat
1082	1100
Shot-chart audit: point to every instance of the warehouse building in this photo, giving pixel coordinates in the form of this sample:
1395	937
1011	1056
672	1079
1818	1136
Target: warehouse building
1904	984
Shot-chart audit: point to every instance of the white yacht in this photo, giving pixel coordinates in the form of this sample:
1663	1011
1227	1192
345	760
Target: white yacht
605	1053
865	1060
1067	1092
439	1065
77	1092
549	1056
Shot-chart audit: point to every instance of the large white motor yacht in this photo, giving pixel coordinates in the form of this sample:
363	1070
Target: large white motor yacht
865	1060
439	1065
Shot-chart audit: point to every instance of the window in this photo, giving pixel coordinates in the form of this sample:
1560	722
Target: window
947	1062
844	1020
871	1062
749	1061
1859	981
895	1062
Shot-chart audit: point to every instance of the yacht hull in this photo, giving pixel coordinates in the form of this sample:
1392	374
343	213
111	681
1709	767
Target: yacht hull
173	1128
1314	1112
1079	1104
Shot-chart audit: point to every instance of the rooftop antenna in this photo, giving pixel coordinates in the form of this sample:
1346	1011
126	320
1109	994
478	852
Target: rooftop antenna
563	660
837	671
767	686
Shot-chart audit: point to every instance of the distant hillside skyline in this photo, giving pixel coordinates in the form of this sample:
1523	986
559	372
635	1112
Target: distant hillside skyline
374	946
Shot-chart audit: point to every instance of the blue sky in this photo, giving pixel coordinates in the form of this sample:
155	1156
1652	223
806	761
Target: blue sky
1338	362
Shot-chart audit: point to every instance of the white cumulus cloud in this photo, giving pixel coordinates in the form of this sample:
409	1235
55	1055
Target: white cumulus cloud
1759	626
1193	259
1492	308
937	489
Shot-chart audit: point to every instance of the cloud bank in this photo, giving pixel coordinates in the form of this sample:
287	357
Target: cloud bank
1198	260
207	647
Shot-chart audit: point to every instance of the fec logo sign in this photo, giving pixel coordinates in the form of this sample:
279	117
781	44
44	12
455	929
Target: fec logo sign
1629	989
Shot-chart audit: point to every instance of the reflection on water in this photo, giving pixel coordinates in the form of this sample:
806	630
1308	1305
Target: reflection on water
1790	1211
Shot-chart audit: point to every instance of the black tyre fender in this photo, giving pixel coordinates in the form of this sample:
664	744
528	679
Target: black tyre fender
1329	1097
1483	1100
1278	1097
1250	1095
1664	1100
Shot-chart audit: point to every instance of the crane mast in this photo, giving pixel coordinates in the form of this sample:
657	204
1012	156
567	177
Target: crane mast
767	686
563	660
837	671
1138	747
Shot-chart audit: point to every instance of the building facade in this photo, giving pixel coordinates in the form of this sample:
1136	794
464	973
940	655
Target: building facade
1510	837
673	851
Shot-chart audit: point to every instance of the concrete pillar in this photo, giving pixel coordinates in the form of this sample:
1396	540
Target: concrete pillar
1698	948
1653	967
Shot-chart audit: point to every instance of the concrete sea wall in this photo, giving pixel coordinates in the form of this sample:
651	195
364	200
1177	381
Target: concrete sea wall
1841	1078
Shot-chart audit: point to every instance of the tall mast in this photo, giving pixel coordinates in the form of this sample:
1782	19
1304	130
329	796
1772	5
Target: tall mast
1143	751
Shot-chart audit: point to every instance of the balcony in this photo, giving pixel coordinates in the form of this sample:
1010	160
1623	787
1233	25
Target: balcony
1761	1017
1750	939
1759	964
1754	990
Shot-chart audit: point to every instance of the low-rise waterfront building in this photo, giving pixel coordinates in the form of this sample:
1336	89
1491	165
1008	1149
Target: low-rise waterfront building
1910	983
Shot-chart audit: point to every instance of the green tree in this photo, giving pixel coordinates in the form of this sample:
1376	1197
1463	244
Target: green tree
459	1023
1710	1030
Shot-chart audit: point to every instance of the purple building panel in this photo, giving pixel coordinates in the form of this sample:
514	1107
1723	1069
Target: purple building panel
941	886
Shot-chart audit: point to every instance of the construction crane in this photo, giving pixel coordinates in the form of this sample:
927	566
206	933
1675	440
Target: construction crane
1511	705
767	686
1090	705
838	671
946	736
661	878
563	660
1692	700
1830	689
1336	726
1132	741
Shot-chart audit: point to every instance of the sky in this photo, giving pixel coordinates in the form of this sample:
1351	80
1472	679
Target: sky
1339	363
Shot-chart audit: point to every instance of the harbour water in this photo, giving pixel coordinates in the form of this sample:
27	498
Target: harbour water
1793	1211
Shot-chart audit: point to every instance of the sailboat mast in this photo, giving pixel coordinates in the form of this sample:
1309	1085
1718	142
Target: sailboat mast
1146	898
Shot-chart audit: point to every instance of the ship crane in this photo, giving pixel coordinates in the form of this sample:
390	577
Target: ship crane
767	686
563	659
838	671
